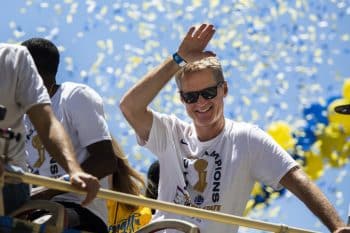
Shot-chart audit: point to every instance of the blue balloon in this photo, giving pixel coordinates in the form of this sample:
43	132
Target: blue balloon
332	98
307	139
259	199
316	113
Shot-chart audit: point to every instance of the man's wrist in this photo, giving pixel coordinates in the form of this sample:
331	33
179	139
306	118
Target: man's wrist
179	60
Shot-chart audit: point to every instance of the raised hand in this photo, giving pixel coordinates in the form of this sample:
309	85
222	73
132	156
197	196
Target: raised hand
195	41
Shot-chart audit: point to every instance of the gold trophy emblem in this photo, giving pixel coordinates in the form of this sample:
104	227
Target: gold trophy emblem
200	165
37	144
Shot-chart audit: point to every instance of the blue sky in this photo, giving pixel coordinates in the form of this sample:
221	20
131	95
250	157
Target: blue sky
279	57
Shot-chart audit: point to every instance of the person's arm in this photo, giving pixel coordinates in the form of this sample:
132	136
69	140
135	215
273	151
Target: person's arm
134	103
298	183
58	144
91	129
102	160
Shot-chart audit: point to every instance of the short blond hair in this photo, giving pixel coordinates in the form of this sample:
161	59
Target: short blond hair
211	63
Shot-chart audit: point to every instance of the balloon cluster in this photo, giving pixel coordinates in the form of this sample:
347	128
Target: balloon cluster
324	141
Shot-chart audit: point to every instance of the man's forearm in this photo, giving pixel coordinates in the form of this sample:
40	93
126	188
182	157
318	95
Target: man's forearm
60	148
54	137
141	95
299	184
134	103
321	207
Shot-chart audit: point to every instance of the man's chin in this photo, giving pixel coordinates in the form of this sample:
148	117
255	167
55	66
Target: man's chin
204	123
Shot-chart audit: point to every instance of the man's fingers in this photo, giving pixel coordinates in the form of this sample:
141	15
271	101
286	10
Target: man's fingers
190	32
208	34
195	42
76	181
199	31
87	182
92	190
207	31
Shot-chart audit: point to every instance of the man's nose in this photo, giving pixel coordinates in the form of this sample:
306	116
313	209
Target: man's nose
201	100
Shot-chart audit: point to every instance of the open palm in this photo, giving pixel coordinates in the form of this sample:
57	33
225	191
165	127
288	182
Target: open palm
194	43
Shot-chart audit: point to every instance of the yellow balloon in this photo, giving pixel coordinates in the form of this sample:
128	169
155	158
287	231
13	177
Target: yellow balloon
341	119
346	89
334	145
282	133
345	153
257	189
314	165
248	207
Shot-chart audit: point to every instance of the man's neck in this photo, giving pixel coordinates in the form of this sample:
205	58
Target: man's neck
52	88
206	133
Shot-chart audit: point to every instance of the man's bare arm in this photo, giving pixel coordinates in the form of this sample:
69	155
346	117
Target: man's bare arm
102	160
135	102
298	183
59	146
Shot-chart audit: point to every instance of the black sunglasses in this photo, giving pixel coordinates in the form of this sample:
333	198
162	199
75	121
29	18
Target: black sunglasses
207	93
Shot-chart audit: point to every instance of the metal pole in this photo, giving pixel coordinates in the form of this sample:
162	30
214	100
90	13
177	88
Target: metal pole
155	204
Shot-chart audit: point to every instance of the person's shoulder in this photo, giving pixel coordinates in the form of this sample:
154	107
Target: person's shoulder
13	57
239	125
11	46
74	88
239	128
13	49
74	93
171	118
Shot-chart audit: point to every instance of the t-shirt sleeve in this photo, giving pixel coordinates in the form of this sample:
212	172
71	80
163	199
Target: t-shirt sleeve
30	89
87	116
159	134
269	162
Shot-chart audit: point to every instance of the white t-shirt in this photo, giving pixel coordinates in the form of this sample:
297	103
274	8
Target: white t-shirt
217	174
80	110
21	87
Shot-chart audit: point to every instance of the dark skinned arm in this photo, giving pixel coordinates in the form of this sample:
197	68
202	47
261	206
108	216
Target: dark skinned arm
102	160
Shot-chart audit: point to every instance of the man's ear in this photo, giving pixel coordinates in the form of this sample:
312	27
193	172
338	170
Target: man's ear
182	101
225	89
